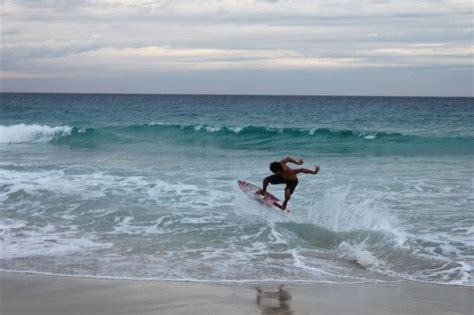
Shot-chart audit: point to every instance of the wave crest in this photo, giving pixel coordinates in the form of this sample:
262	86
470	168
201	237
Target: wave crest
310	140
34	133
289	131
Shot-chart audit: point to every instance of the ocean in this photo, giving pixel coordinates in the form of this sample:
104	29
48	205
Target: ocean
145	187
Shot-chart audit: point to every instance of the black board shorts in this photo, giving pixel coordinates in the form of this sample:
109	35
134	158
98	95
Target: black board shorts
278	179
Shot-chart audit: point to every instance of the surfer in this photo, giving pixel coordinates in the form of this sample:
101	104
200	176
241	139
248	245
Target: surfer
283	174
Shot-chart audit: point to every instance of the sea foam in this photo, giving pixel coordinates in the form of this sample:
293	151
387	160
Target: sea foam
22	133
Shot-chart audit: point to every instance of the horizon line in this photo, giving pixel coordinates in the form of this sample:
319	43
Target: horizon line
232	94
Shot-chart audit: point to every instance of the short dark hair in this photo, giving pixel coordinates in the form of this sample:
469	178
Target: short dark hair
275	167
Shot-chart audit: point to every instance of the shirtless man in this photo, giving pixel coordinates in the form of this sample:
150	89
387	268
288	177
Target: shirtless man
283	174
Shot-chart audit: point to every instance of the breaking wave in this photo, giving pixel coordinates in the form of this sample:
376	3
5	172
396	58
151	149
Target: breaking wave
34	133
240	137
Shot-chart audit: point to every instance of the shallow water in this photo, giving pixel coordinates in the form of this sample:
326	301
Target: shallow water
144	186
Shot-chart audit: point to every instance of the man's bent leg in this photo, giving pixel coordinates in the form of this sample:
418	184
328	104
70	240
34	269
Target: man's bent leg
288	193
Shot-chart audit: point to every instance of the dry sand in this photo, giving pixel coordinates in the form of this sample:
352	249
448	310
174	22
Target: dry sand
43	294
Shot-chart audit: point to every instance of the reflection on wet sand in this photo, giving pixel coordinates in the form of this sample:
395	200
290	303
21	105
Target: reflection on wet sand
274	302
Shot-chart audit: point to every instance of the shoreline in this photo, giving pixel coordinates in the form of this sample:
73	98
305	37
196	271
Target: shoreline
230	282
28	293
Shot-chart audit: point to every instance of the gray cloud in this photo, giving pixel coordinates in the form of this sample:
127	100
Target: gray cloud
97	39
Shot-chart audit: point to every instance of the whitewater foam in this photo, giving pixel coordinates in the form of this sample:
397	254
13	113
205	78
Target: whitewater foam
34	133
336	213
358	253
43	241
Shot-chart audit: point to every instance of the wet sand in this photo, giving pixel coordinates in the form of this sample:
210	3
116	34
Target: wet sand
43	294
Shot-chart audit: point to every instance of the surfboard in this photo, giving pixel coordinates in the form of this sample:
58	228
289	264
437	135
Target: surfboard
268	199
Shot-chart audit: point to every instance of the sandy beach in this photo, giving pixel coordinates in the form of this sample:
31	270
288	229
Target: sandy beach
44	294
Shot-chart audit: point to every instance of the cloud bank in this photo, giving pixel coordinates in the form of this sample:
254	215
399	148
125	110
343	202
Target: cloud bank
59	45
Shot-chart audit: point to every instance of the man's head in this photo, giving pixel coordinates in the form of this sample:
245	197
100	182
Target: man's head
276	167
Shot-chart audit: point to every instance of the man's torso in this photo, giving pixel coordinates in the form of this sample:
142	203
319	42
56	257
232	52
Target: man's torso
288	173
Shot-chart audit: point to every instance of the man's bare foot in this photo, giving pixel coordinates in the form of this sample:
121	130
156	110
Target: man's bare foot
281	207
261	192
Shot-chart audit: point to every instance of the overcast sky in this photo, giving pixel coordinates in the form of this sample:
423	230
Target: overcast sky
332	47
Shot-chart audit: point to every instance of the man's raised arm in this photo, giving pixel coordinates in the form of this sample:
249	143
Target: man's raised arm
291	160
308	171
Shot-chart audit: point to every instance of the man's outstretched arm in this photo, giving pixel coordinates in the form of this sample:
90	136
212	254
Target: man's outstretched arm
291	160
308	171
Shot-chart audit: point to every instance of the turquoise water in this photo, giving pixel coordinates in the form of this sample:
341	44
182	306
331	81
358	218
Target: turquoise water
144	186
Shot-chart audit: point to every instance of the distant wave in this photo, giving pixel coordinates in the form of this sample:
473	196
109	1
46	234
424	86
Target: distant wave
36	133
257	130
238	137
